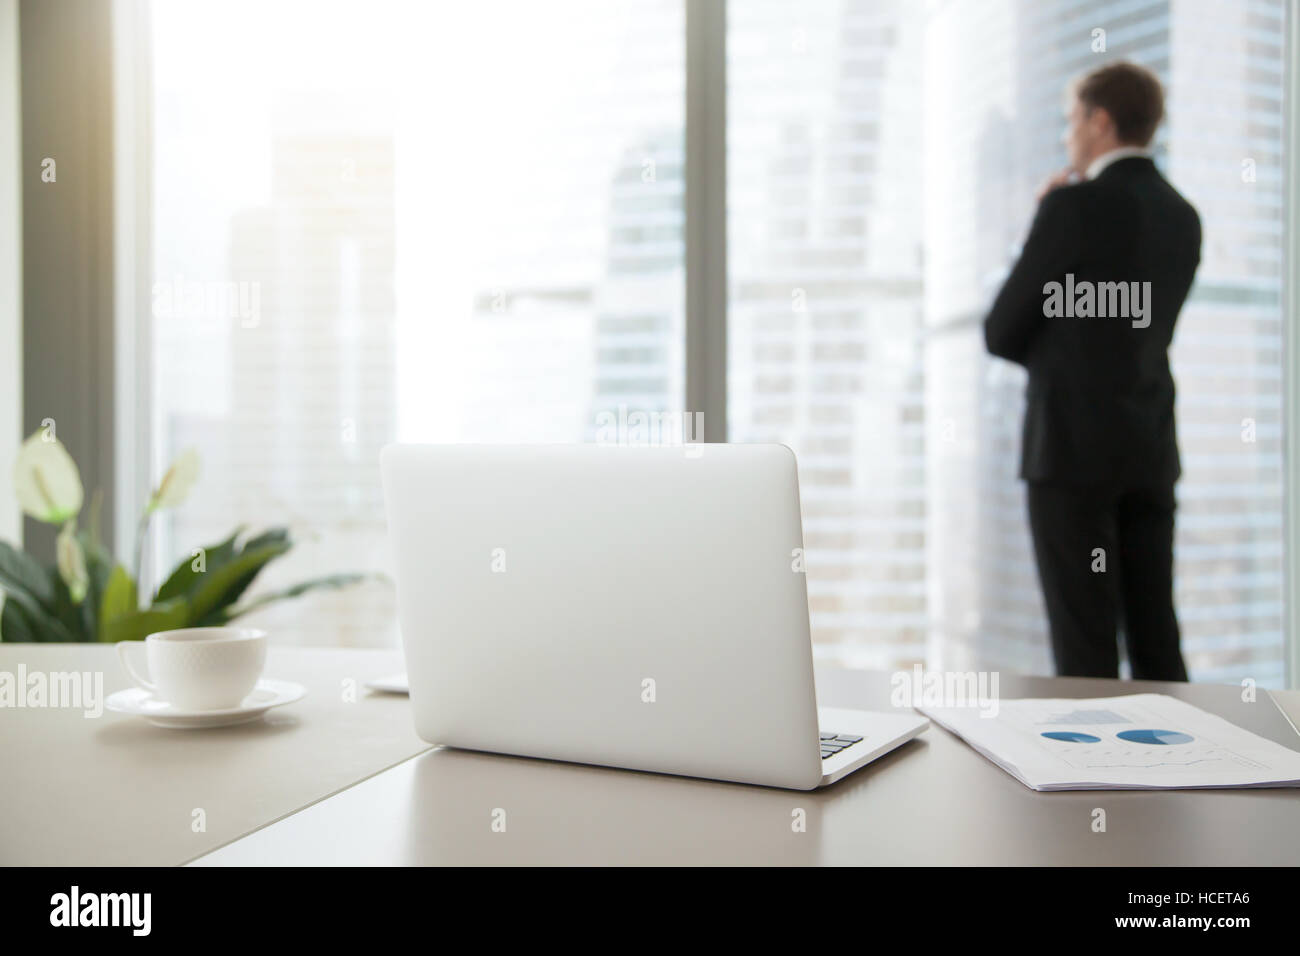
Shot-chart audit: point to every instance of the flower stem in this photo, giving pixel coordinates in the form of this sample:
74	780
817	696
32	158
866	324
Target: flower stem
141	530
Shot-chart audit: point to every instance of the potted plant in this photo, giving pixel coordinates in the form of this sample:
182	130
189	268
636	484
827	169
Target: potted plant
88	596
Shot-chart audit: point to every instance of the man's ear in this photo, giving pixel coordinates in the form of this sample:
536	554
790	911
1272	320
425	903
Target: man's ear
1100	120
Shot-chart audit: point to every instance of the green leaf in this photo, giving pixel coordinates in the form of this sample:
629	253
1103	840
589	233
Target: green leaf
137	625
273	538
20	572
222	587
269	536
99	566
70	613
332	583
38	622
185	578
229	568
99	563
119	599
15	626
30	589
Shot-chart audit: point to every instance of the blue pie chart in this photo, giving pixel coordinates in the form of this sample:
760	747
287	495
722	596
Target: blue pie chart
1071	737
1155	736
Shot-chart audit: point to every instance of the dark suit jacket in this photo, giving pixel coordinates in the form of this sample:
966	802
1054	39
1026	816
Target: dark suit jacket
1100	399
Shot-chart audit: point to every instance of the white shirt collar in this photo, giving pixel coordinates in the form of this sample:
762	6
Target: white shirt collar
1105	159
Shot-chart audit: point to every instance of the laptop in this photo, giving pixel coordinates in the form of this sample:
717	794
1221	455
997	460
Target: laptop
634	607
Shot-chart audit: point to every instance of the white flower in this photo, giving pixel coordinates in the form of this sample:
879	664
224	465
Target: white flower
177	483
72	563
46	481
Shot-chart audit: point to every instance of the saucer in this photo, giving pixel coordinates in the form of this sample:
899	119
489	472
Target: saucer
266	694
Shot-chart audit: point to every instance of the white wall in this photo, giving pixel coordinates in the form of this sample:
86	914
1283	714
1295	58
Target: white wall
11	272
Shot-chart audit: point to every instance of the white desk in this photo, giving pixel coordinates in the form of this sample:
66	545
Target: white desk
933	801
117	790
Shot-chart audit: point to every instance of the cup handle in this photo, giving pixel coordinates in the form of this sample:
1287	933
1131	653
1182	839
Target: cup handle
122	656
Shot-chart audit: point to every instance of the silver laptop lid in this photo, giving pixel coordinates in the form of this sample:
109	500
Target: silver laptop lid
631	607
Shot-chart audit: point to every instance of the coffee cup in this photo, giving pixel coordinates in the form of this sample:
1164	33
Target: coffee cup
200	668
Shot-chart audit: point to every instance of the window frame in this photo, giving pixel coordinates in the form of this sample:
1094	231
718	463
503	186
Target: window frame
1291	349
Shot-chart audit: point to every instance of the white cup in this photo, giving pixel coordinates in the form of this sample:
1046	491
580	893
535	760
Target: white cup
200	668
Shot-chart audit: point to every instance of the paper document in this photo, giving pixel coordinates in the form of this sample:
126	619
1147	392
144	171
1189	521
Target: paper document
392	684
1138	742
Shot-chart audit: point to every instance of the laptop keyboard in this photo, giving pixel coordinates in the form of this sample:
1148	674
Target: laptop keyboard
834	743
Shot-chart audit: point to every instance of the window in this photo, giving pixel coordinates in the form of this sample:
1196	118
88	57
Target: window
883	158
404	221
826	298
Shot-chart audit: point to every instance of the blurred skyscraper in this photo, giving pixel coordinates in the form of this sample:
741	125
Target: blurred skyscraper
640	335
309	401
824	149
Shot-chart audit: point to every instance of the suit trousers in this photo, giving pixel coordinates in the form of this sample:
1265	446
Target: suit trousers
1105	562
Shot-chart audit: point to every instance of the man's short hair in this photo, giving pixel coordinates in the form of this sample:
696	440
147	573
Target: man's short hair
1130	94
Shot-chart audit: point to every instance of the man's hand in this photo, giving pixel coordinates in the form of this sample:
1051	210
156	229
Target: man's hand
1051	250
1064	178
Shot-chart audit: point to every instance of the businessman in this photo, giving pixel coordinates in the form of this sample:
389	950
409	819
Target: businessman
1089	310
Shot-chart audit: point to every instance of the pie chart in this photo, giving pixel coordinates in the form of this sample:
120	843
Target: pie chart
1071	737
1155	736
